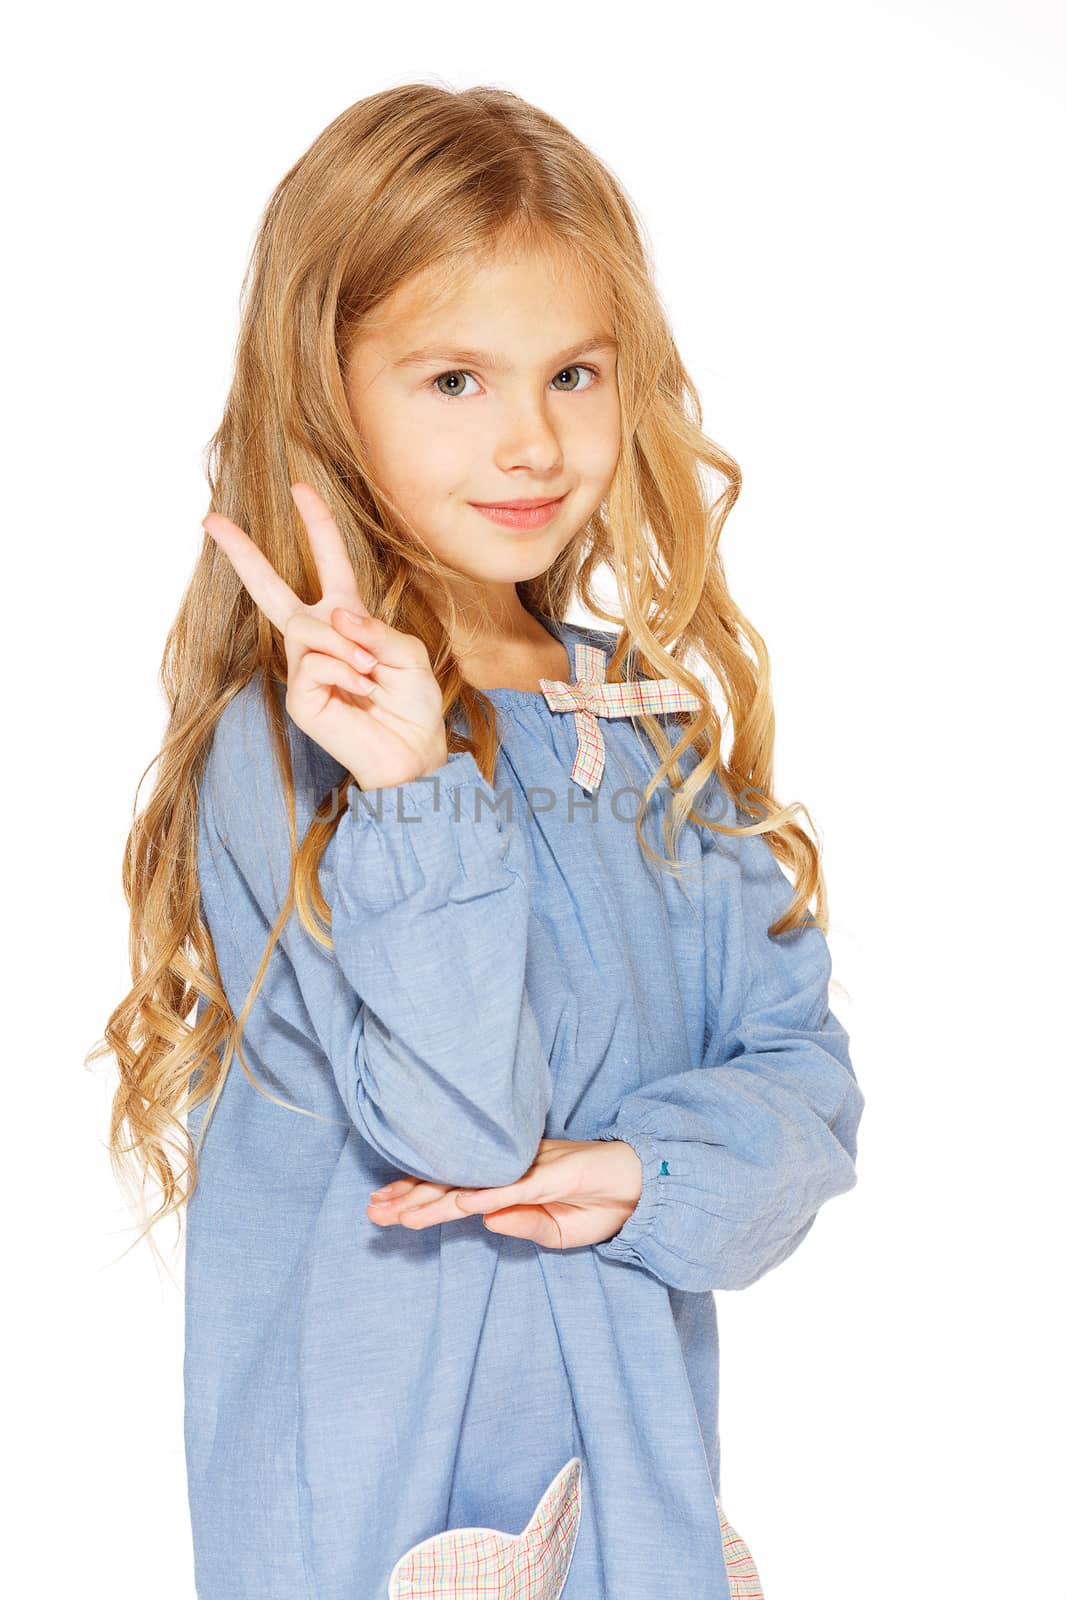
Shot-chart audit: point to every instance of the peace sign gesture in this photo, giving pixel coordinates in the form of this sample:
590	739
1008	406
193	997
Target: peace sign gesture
361	689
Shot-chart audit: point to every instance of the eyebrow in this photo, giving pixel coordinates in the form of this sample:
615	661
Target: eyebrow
484	358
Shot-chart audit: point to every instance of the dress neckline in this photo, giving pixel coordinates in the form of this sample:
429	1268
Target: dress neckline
564	632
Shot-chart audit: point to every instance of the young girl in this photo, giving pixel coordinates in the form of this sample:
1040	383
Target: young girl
519	1092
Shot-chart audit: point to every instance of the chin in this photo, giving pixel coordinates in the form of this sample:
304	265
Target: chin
512	567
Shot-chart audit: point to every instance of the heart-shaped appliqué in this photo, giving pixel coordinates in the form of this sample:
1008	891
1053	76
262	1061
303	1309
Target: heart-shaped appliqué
485	1564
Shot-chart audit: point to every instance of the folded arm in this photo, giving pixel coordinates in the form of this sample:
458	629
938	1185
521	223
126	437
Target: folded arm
420	1011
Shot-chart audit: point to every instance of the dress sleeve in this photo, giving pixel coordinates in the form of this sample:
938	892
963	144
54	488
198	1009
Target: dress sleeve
740	1153
421	1009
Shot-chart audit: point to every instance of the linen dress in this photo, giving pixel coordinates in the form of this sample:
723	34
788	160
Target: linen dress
507	967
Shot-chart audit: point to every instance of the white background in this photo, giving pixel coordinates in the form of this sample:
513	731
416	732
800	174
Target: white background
856	212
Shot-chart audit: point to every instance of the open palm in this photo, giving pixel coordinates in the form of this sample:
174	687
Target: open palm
577	1191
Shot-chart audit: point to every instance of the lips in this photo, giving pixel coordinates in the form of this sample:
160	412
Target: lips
522	515
516	505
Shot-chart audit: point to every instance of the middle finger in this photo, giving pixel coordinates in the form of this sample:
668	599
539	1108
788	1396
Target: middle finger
327	547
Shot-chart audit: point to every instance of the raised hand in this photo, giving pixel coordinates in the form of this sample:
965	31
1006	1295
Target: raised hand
361	689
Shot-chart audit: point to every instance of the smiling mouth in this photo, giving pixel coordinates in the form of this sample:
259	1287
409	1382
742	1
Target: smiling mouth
521	515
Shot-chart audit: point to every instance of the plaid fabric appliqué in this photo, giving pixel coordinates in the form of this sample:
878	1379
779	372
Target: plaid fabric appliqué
484	1564
740	1567
589	697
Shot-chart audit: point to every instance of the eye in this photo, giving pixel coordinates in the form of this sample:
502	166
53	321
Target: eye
591	370
455	394
461	394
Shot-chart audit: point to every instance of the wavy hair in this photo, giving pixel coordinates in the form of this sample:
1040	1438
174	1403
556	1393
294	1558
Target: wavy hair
421	179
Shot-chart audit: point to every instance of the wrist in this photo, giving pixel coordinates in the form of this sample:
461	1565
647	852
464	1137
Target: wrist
629	1180
437	759
436	762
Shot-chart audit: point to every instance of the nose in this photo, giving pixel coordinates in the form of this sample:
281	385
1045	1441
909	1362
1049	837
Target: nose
528	438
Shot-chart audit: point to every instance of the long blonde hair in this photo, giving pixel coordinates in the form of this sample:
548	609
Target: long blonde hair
421	179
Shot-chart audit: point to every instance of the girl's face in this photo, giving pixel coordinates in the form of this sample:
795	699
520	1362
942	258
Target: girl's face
506	392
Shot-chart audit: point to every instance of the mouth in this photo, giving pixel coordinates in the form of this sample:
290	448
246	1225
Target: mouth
520	513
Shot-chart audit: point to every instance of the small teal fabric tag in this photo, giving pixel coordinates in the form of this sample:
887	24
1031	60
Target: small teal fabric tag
663	1172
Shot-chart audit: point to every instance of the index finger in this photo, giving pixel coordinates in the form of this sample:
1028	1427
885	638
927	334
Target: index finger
271	593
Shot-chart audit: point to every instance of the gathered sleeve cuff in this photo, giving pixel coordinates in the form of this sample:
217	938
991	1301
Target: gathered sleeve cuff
740	1152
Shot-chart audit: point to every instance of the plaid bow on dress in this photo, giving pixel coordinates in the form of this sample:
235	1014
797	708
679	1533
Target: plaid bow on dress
589	697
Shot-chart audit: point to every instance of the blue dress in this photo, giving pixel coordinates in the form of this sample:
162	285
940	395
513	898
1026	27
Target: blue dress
507	967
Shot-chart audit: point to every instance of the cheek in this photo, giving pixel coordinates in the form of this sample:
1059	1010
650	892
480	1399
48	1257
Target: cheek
595	437
595	453
419	469
431	463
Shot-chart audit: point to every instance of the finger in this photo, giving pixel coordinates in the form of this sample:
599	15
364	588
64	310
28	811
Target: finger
328	672
393	648
530	1190
425	1207
398	1186
271	593
313	633
411	1191
327	546
427	1214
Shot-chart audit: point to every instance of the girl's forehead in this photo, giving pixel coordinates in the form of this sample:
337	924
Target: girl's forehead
434	293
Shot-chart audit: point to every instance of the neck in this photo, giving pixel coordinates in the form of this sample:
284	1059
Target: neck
489	617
